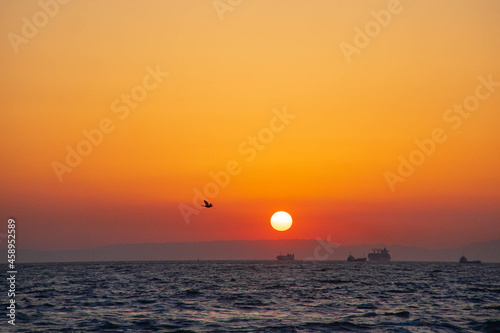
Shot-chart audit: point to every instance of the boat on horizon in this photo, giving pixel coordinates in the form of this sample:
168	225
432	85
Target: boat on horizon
352	258
379	255
288	257
463	260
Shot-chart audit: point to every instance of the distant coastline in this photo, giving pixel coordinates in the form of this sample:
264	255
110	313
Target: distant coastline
487	252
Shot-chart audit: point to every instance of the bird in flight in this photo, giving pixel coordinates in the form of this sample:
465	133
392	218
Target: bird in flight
207	204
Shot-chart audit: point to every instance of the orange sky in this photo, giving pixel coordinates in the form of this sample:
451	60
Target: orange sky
350	118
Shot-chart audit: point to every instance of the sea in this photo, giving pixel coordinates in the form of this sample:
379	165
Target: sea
255	296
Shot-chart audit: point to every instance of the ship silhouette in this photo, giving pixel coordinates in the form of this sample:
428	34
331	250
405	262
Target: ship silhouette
463	260
288	257
352	258
379	255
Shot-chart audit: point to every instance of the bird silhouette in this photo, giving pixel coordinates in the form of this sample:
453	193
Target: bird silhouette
207	204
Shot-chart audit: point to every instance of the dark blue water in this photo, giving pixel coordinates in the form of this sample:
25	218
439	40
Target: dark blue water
256	297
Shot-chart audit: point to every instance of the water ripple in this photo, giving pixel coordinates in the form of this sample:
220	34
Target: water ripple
257	296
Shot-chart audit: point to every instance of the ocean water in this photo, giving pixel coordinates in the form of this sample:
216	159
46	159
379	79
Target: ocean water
260	296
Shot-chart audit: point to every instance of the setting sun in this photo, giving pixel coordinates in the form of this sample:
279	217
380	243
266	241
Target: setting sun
281	221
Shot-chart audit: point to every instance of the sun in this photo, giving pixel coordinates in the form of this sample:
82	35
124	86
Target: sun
281	221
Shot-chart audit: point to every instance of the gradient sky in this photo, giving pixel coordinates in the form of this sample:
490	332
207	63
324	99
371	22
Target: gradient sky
227	79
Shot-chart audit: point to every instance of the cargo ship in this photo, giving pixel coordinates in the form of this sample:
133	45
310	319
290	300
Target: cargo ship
288	257
463	260
379	255
351	258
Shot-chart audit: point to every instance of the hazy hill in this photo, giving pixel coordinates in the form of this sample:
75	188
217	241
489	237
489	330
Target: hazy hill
256	250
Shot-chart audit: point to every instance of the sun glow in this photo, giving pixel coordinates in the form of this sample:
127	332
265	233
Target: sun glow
281	221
